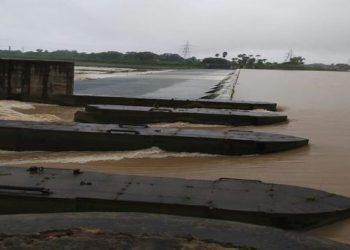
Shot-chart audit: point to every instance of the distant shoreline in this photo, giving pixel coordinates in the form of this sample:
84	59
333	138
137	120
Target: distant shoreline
152	61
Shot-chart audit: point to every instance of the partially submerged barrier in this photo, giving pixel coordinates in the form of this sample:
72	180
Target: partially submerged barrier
41	190
83	100
19	136
114	114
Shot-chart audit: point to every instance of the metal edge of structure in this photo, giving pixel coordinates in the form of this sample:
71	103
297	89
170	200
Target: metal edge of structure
83	100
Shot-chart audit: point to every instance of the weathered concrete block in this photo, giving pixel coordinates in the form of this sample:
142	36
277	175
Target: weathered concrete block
36	80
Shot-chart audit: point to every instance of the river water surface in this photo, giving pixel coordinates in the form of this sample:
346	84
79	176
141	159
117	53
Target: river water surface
186	84
318	106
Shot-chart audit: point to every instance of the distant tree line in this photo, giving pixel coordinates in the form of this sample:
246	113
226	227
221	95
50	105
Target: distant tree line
109	57
170	60
245	61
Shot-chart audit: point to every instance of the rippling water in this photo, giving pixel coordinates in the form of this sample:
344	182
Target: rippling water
318	106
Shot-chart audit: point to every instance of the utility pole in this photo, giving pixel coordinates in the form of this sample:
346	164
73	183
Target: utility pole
186	50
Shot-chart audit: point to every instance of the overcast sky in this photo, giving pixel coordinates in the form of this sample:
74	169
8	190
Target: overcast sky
316	29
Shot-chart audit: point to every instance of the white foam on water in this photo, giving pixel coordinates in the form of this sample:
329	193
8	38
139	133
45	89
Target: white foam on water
187	125
2	152
95	73
16	104
8	112
265	111
92	73
86	157
227	90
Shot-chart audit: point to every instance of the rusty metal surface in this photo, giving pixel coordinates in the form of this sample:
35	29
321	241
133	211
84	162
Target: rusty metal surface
19	136
83	100
228	199
143	114
167	229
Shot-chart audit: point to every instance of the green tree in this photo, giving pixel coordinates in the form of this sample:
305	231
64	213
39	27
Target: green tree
297	60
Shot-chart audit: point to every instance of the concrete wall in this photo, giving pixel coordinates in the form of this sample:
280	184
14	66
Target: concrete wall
37	80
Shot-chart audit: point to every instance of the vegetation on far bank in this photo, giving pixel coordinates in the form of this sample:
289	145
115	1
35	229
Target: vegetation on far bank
110	58
149	60
257	62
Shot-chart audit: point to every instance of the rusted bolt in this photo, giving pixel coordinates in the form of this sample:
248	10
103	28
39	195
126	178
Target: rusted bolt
35	170
311	199
77	171
85	183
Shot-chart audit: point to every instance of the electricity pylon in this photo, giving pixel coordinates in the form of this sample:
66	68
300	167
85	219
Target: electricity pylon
186	50
290	55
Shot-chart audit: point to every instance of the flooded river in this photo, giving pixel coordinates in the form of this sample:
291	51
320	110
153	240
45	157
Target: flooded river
318	107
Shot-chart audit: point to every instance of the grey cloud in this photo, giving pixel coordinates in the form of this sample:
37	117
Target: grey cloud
316	29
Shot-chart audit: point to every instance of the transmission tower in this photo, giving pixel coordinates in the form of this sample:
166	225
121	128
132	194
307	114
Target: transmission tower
186	50
290	55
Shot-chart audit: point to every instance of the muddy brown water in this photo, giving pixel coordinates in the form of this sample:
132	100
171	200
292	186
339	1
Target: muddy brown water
318	107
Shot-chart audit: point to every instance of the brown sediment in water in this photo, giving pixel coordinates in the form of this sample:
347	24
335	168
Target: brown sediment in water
15	110
317	104
62	113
